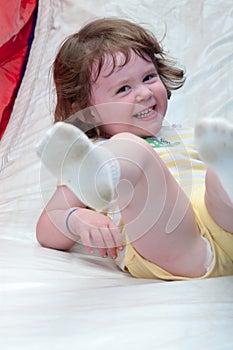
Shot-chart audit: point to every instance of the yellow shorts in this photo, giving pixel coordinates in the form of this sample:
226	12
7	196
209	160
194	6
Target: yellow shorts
220	240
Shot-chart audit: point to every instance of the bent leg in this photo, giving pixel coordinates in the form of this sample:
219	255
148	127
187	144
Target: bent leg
158	216
218	203
214	138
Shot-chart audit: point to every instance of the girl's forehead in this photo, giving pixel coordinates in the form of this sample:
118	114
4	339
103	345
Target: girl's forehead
113	63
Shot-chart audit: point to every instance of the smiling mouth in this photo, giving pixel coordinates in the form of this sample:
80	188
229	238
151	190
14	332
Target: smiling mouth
145	113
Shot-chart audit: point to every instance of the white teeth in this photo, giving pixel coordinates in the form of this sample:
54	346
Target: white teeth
144	114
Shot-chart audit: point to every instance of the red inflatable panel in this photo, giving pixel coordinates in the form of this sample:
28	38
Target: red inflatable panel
16	25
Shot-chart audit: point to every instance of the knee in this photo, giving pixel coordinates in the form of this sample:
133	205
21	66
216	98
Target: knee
125	136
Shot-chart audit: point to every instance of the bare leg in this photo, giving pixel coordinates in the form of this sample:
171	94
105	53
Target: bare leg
157	214
159	219
214	138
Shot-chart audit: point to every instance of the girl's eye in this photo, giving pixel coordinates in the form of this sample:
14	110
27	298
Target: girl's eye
123	89
149	77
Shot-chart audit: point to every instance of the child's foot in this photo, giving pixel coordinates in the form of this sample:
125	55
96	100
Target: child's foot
90	171
214	138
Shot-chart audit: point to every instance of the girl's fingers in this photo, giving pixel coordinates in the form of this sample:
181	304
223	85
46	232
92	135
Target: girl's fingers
109	242
99	242
106	240
86	241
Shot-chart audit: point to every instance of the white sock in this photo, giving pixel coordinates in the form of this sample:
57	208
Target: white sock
214	138
90	171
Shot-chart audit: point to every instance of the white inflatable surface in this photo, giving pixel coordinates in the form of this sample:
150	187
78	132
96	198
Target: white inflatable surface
57	300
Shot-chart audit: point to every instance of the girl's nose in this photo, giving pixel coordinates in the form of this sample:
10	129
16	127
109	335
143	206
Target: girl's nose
143	93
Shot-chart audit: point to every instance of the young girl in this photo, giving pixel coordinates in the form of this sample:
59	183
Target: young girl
120	170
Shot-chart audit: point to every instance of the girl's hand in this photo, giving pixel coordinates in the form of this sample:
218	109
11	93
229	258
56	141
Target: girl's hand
96	230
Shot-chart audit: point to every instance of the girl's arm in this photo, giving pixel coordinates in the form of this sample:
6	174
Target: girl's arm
51	231
92	228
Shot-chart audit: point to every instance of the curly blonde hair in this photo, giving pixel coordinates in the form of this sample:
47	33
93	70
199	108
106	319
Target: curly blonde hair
73	66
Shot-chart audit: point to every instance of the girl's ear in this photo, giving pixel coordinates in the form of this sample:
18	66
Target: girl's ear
77	113
75	107
88	115
94	113
90	110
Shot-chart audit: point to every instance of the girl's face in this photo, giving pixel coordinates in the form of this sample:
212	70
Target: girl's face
130	99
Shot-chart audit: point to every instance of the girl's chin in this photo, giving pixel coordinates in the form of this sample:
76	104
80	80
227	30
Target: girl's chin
148	131
147	128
